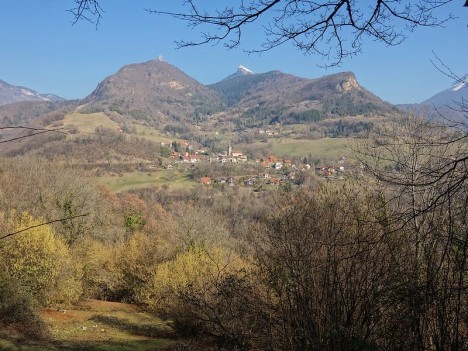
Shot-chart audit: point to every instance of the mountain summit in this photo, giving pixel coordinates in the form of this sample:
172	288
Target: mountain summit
244	70
277	96
460	84
155	92
11	93
445	105
449	97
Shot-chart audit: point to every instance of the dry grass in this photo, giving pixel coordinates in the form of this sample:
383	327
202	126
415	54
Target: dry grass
87	123
97	326
173	178
330	148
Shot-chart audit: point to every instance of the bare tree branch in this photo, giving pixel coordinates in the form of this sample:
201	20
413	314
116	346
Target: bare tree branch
42	224
36	131
334	29
88	10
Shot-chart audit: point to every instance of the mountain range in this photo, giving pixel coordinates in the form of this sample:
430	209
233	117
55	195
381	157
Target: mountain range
160	94
11	93
156	101
449	105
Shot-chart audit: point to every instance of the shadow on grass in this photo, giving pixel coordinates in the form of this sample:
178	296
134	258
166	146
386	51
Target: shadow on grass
135	345
147	330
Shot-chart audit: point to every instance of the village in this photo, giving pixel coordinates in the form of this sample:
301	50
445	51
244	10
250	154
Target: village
272	170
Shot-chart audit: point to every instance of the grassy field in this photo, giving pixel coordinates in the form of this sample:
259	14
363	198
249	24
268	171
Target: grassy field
87	123
171	177
98	326
154	135
331	148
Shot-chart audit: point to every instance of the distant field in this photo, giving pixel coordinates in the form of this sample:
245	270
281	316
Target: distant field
154	135
173	178
98	326
87	123
326	147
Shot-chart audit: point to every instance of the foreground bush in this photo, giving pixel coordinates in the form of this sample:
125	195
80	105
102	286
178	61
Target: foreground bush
40	261
194	289
17	309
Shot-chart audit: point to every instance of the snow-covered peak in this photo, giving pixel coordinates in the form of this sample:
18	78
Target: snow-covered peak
244	70
32	94
12	93
463	82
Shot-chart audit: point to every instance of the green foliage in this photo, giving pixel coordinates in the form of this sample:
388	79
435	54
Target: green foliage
165	151
258	116
346	128
138	115
175	129
134	222
306	116
347	105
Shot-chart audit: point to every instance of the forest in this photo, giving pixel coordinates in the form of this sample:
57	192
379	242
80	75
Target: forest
372	262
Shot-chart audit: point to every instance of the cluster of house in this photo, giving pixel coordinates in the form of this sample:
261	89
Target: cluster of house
273	162
251	180
223	180
331	171
268	132
283	170
270	179
230	155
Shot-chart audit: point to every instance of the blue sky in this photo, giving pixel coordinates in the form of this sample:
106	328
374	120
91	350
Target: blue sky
42	50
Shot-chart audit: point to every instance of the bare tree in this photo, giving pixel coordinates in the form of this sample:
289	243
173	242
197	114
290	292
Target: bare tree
423	167
89	10
334	29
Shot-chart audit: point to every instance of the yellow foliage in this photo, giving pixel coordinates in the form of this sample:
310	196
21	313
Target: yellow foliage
40	260
195	269
101	274
138	258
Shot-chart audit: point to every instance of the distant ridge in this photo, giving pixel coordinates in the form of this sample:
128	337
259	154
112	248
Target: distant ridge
11	93
279	97
156	92
242	71
159	94
446	104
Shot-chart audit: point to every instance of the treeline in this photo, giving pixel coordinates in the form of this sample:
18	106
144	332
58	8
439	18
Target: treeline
377	263
103	146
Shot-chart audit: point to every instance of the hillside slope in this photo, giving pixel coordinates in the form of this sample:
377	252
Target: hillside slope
279	97
11	93
155	92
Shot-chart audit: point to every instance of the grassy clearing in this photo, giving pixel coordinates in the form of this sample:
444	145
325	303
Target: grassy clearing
87	123
98	326
331	148
153	134
171	177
